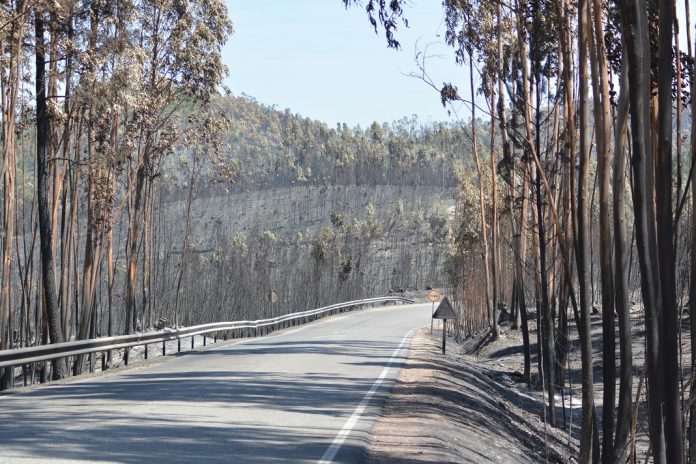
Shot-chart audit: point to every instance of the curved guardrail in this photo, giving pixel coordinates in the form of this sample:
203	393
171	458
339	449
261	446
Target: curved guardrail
10	358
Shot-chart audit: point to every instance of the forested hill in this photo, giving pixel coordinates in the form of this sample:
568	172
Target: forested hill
240	201
268	148
361	212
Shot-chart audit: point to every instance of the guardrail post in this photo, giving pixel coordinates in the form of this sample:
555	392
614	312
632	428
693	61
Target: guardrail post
125	356
193	341
146	350
204	339
178	345
164	348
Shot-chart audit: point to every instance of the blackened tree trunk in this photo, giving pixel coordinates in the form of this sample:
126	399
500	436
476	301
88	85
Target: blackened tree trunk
60	368
583	256
547	325
623	415
494	230
692	284
665	242
548	345
635	31
519	274
484	229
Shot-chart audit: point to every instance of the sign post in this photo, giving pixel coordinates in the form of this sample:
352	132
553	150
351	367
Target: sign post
433	296
444	311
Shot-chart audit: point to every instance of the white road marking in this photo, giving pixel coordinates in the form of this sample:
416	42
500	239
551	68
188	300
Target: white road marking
332	451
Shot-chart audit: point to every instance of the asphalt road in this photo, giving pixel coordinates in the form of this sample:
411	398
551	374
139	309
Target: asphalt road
310	394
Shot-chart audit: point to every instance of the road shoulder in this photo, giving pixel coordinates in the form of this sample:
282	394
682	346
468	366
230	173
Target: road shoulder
451	409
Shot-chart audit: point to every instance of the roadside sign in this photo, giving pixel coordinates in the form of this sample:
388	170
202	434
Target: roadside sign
434	296
444	310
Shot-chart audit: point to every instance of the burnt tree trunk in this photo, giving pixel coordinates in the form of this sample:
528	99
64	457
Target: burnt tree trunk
669	324
583	255
635	31
623	310
60	367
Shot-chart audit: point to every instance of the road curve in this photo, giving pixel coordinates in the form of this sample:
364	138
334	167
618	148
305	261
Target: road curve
310	394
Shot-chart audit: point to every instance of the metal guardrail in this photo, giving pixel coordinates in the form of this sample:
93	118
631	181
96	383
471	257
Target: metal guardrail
20	356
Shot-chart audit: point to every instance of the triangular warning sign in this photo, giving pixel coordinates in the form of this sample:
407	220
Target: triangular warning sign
444	310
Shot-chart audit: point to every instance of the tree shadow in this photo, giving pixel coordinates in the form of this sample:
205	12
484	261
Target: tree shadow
123	438
134	416
466	396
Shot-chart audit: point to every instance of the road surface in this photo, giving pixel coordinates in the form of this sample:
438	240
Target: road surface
310	394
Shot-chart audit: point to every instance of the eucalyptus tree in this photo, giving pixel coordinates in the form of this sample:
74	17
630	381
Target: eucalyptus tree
464	35
637	37
179	61
603	123
692	282
112	80
60	368
12	62
203	140
621	284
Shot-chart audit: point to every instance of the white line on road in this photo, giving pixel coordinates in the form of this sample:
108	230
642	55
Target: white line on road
331	452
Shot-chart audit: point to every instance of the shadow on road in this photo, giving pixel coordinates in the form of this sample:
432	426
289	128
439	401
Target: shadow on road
98	421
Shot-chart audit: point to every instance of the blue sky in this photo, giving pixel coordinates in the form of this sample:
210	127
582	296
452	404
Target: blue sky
325	62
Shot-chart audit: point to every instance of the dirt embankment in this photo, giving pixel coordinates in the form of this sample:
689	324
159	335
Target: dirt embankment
454	408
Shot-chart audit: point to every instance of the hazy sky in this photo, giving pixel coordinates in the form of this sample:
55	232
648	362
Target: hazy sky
325	62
